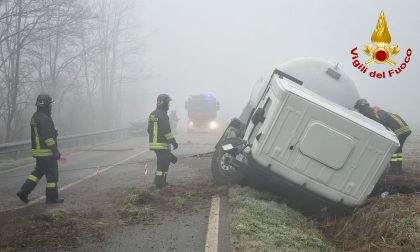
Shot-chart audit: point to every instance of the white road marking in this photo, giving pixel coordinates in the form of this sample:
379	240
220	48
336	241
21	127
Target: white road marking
212	238
65	153
83	179
18	168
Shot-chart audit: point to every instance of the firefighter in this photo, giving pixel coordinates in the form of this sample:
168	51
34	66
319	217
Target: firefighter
44	150
390	121
161	139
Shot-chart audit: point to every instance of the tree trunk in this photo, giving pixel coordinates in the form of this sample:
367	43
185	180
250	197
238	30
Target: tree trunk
15	83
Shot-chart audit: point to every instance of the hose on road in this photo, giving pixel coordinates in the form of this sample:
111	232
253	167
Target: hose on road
99	167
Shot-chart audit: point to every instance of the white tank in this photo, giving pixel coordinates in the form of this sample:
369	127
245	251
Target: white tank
334	85
256	93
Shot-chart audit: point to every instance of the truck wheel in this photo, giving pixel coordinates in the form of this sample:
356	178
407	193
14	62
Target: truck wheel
223	172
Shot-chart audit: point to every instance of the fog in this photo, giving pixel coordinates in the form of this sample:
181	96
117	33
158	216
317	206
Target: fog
224	47
106	61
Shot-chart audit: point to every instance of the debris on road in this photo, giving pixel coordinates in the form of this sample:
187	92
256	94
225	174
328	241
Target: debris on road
116	206
143	206
48	231
384	194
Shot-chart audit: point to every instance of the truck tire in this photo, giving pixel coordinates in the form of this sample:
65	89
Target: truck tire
223	172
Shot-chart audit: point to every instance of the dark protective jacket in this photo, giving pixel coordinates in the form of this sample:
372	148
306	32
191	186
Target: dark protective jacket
393	122
159	129
43	135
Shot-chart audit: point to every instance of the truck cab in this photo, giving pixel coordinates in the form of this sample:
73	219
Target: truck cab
303	137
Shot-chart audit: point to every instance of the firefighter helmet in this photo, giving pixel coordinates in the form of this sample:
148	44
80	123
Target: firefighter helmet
361	103
163	100
43	100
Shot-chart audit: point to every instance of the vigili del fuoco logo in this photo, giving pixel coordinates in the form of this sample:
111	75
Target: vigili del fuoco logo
381	52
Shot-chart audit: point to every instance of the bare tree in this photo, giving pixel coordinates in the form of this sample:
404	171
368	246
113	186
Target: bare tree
68	48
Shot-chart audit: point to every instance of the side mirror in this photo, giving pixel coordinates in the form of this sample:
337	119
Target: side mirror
217	106
258	116
259	136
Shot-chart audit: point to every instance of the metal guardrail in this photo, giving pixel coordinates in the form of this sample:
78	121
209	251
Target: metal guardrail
21	149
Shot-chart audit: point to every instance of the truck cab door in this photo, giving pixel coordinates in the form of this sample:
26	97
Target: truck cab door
258	117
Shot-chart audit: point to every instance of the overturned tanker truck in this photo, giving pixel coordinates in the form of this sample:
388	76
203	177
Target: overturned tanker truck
300	135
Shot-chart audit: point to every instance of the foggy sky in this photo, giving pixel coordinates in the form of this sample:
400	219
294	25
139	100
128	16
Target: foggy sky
224	47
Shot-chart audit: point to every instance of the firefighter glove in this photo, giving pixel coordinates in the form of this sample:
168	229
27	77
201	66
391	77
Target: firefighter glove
175	145
57	155
174	159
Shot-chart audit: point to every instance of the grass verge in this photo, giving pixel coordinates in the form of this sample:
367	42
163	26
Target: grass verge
384	224
261	222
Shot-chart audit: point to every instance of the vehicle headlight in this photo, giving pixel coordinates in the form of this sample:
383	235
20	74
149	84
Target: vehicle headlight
213	125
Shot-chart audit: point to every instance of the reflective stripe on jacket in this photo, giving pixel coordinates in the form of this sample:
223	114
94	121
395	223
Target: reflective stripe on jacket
391	121
159	129
394	122
43	135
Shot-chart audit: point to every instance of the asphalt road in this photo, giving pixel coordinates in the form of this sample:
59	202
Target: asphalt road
82	162
90	176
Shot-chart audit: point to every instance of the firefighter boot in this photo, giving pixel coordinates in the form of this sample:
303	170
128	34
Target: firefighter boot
160	179
54	201
25	190
51	194
164	183
396	167
23	197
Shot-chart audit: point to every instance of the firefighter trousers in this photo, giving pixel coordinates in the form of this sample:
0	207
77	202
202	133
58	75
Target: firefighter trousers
49	168
397	157
163	160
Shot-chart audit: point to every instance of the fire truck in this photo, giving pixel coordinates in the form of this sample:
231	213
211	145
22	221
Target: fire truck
202	112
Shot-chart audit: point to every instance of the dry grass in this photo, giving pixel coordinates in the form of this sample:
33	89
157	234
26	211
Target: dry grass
384	224
140	206
388	224
56	229
41	230
262	222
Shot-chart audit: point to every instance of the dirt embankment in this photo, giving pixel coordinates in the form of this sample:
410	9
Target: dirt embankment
388	223
262	221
